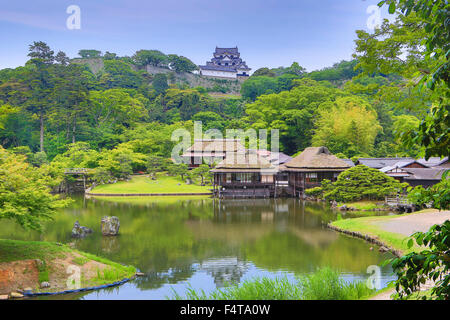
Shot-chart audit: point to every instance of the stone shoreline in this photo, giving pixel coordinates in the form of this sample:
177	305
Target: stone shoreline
367	238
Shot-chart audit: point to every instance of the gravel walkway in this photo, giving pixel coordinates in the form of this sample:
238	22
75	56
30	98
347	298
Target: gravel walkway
407	225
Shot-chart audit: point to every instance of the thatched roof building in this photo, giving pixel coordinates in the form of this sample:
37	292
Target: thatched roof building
213	147
245	162
315	159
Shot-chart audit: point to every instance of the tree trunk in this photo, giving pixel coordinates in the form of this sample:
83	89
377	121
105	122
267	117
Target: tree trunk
74	130
41	119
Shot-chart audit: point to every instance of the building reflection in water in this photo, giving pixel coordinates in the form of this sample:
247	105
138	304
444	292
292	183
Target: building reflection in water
225	271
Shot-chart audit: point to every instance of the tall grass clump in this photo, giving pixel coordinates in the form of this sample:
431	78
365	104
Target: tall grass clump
255	289
324	284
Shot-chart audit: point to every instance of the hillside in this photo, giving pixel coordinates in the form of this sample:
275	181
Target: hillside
96	65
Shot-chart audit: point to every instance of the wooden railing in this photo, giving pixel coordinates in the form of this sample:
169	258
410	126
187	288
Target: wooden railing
396	200
77	171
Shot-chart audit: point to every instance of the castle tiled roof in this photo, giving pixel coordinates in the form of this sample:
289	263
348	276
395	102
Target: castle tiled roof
229	50
227	60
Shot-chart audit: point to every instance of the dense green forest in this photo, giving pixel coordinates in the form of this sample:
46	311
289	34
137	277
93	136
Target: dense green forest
119	114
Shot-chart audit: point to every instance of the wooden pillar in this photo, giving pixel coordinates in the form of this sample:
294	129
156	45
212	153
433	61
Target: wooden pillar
295	182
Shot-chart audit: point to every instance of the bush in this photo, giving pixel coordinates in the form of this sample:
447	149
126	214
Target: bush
362	183
314	192
438	195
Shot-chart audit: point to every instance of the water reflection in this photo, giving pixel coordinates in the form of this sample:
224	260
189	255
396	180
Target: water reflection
207	243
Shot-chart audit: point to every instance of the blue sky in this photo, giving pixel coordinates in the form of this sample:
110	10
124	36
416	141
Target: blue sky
269	33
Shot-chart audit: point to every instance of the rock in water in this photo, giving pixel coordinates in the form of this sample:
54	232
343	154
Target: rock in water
16	295
110	226
383	249
80	231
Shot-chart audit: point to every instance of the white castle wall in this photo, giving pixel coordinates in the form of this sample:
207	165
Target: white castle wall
222	74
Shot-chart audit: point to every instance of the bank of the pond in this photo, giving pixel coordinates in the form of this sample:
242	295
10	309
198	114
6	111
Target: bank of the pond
391	232
144	186
37	267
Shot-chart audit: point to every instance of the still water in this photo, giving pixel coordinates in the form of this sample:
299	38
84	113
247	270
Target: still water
202	243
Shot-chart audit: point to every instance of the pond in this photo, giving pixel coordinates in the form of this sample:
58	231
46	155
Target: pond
205	243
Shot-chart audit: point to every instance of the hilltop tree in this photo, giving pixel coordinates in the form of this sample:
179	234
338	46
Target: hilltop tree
264	72
149	57
41	51
181	64
89	53
62	58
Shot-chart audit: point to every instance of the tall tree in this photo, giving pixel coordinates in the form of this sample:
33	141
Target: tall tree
416	46
41	83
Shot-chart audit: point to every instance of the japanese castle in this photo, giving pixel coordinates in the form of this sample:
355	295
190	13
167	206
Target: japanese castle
226	63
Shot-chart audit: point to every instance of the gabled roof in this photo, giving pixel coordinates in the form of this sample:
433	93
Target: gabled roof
316	158
433	161
425	173
276	158
349	162
229	50
219	68
379	163
245	162
219	146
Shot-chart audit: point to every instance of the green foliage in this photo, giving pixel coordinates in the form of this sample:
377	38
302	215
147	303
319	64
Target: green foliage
181	170
343	70
438	195
118	73
416	47
347	125
314	192
203	171
431	264
25	192
157	164
256	86
291	112
159	83
181	64
264	72
360	183
150	57
88	54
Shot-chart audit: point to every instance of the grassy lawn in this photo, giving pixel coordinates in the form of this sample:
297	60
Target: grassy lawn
15	251
366	225
363	205
143	184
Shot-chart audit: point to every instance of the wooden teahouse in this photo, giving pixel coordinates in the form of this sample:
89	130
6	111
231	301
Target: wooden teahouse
245	175
210	151
313	165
